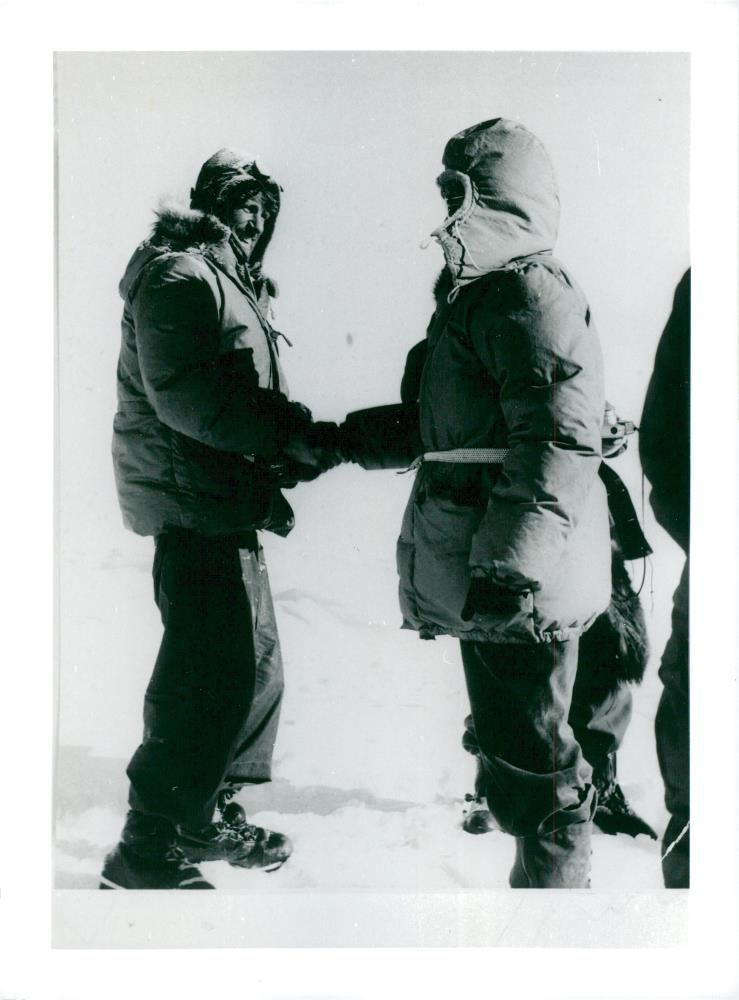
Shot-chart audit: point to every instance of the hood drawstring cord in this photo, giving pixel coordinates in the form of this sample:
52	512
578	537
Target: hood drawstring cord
455	234
453	221
274	334
518	264
450	229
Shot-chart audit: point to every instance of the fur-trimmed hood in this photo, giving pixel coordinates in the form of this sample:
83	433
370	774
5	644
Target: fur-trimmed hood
180	229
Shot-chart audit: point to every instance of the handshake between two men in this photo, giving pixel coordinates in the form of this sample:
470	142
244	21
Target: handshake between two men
382	437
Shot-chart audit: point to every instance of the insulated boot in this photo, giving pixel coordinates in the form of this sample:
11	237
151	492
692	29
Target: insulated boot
231	812
559	860
613	813
147	857
477	816
231	838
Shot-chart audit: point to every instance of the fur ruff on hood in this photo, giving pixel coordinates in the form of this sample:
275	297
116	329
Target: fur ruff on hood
181	229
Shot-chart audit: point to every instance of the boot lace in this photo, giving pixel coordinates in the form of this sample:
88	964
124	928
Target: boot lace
176	856
613	798
225	796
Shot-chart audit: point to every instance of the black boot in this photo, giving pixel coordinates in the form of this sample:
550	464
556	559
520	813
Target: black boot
231	838
148	857
559	860
231	812
477	816
613	813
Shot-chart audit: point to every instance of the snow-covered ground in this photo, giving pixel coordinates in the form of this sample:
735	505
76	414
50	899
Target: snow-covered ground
370	774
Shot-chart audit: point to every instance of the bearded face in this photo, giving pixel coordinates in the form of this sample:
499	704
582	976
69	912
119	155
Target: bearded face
246	216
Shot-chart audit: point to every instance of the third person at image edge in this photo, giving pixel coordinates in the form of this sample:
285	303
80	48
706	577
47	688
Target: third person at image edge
665	453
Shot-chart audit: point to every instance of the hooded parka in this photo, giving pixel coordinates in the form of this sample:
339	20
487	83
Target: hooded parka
514	363
202	400
202	408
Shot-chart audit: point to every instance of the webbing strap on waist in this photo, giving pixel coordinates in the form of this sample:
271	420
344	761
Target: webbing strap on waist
462	456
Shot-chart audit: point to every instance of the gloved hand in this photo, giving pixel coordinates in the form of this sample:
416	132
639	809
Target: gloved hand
485	597
286	474
382	437
309	451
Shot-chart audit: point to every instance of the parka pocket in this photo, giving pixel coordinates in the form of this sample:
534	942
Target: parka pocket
406	593
512	623
438	560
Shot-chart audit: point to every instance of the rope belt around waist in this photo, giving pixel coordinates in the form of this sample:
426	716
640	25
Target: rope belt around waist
462	456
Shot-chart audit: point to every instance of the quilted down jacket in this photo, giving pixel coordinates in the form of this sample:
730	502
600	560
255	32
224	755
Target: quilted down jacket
514	363
202	400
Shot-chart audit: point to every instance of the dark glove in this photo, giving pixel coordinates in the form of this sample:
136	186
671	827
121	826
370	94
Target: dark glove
286	474
311	450
488	598
382	437
300	414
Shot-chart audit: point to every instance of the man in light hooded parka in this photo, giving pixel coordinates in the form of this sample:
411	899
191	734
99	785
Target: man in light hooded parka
204	437
505	539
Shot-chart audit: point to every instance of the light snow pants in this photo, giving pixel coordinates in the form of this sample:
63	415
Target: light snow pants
538	782
212	706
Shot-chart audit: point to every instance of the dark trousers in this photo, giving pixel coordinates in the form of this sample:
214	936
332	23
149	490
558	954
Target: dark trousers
600	712
672	730
537	779
212	706
599	715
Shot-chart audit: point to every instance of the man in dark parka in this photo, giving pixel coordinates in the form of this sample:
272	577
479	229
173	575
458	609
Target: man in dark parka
204	436
505	540
664	447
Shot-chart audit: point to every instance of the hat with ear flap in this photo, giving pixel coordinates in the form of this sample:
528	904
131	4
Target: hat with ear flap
220	181
221	174
501	190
